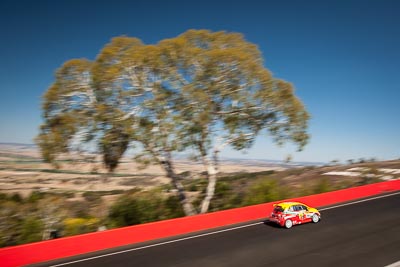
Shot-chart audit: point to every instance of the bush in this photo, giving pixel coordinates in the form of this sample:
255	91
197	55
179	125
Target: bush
173	208
197	185
3	197
193	188
322	186
35	196
262	192
16	198
222	189
124	212
131	209
31	231
76	226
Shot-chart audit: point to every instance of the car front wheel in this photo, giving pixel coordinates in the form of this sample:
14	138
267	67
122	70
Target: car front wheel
315	218
288	224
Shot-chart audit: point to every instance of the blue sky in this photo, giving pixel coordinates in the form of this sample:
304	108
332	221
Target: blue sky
342	56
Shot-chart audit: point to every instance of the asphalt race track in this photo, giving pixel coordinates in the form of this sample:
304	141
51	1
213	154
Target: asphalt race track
361	234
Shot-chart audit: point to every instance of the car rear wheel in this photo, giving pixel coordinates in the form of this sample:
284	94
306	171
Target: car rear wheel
288	224
315	218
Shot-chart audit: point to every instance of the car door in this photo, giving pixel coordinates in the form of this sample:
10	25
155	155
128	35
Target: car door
307	215
296	213
301	213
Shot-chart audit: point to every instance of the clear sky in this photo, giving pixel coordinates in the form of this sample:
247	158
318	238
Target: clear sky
342	56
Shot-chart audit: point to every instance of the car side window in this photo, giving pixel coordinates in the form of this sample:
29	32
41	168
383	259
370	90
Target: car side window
296	208
304	207
290	209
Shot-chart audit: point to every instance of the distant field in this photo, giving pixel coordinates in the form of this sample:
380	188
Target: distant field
22	171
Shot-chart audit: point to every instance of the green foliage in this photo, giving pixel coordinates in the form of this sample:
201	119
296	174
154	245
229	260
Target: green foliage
265	191
10	223
75	226
173	208
113	145
31	230
246	175
35	196
344	184
16	198
222	189
125	212
3	197
143	207
323	185
225	197
195	185
231	190
193	188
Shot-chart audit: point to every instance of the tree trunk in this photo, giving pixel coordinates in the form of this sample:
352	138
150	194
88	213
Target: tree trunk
212	170
168	167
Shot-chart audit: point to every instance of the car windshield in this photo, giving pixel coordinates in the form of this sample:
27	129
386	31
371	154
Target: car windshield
278	209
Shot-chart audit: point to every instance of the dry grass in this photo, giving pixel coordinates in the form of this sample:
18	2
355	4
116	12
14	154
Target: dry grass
22	171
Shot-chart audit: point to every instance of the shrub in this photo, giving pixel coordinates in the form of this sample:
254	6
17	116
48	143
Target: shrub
323	185
31	231
143	207
173	208
35	196
16	198
3	196
125	211
75	226
222	189
262	192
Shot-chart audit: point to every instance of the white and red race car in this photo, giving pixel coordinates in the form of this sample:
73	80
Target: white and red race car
288	214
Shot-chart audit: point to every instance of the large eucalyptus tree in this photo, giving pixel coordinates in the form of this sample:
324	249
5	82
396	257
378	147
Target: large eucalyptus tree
201	91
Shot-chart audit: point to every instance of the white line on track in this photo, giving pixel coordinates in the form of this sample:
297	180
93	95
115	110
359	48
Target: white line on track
210	233
396	264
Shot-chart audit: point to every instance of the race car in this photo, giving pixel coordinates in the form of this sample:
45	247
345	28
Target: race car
288	214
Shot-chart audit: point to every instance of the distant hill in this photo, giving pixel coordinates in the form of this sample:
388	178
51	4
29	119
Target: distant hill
18	147
272	162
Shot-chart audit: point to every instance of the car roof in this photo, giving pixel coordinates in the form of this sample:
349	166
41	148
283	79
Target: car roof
288	204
